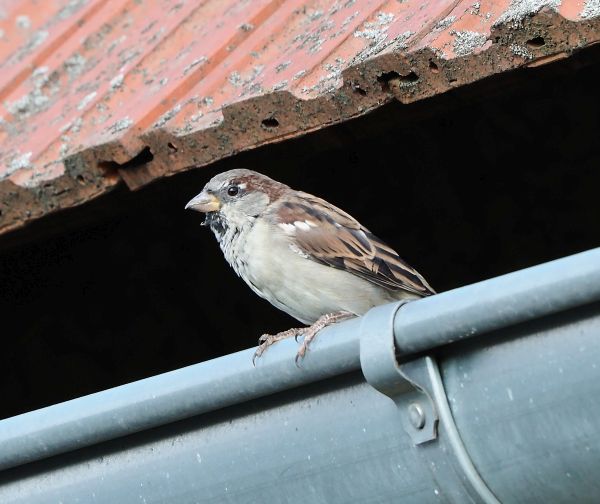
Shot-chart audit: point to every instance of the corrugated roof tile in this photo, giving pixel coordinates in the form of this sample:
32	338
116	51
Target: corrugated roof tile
88	85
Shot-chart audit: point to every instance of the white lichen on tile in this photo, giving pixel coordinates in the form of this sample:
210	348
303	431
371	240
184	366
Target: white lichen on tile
75	65
27	105
18	162
280	85
115	43
63	150
299	75
521	51
120	125
331	81
117	82
36	39
76	125
591	9
167	116
518	10
249	82
23	22
235	79
194	63
71	7
465	42
23	161
282	66
444	23
86	100
349	19
375	32
38	99
384	18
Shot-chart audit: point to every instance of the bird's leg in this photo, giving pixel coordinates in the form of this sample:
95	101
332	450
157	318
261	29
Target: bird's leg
266	340
323	321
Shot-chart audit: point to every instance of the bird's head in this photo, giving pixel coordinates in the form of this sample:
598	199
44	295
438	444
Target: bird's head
236	195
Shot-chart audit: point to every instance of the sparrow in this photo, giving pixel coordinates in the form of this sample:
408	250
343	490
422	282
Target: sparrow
301	253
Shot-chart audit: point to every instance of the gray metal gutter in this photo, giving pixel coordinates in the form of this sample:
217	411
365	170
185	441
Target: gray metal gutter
500	302
430	415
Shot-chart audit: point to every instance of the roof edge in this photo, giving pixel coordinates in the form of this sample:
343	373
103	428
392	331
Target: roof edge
407	74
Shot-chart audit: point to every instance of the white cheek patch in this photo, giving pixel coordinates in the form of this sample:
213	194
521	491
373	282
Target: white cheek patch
289	229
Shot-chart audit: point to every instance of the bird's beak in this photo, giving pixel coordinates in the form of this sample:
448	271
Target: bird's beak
204	202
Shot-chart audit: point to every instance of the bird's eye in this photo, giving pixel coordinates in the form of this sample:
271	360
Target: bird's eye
233	190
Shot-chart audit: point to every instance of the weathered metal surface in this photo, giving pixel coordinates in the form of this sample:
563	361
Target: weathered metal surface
517	413
88	85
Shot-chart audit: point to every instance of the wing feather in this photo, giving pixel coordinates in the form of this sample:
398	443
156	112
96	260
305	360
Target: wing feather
332	237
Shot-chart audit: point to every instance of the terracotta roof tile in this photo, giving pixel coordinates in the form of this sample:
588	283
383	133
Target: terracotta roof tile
86	85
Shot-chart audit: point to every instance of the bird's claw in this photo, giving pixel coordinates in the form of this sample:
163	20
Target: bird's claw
309	335
301	352
263	343
258	353
266	340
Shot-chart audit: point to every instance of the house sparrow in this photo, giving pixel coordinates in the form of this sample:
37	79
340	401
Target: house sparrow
302	254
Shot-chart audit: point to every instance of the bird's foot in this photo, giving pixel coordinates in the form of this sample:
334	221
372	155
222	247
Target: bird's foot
309	333
266	340
321	323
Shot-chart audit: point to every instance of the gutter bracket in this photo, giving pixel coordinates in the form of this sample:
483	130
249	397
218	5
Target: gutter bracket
410	380
417	389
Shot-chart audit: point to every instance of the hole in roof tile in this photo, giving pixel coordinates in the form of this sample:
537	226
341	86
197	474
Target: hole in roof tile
80	179
144	156
172	147
433	67
270	122
385	78
411	77
536	43
359	90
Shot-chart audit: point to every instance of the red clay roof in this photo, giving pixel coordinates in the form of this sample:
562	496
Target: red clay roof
85	85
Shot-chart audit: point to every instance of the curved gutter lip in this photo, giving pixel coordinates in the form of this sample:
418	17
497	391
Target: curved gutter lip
218	383
503	301
173	396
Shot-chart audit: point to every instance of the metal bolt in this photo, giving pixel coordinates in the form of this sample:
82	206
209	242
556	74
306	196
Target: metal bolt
416	416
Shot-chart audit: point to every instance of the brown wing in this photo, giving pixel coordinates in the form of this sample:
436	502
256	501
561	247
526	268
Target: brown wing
330	236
